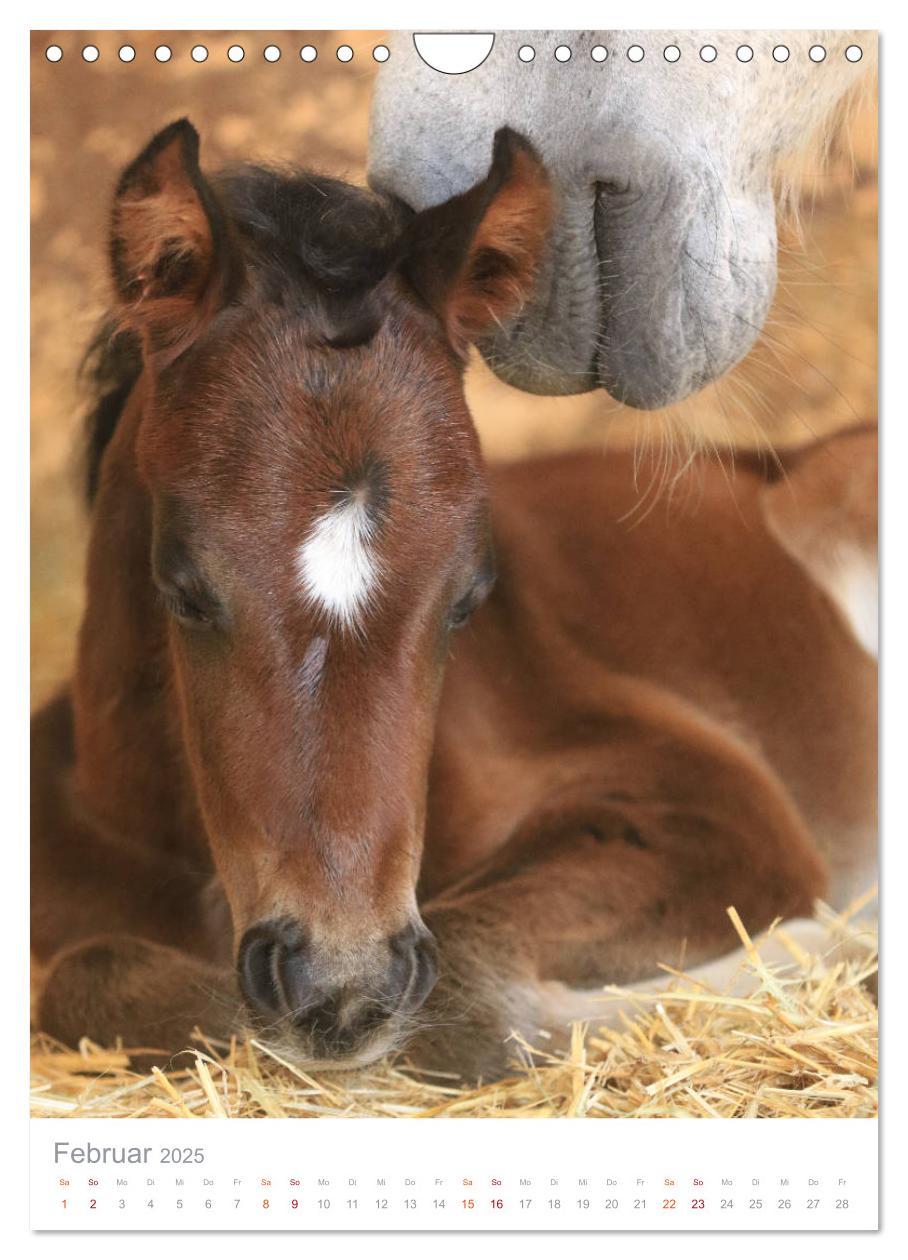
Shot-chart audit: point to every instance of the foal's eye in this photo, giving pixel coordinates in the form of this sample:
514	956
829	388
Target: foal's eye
461	613
182	609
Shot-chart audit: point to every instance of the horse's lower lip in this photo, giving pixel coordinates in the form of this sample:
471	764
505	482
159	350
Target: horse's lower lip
546	378
359	1058
302	1049
641	390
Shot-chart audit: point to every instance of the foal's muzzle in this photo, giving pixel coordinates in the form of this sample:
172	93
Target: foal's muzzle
293	987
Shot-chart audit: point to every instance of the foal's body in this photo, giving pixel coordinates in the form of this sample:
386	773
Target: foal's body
650	720
652	717
281	789
688	617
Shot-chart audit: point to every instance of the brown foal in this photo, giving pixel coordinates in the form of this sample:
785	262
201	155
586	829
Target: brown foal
281	792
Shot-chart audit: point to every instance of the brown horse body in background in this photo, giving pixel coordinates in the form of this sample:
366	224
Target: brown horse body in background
280	792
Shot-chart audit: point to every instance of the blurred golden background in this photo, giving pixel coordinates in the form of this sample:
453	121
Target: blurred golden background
813	370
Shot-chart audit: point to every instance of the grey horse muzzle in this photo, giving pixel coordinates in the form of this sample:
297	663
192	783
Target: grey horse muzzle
649	293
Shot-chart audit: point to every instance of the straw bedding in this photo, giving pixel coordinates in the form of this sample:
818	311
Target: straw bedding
803	1044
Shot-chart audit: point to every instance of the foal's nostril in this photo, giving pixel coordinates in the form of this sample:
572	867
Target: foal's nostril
273	968
413	968
257	978
425	973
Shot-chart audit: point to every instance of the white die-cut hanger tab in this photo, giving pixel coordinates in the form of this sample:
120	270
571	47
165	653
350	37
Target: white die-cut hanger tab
453	52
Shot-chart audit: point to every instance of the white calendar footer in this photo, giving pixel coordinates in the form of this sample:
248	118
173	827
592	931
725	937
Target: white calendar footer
453	1174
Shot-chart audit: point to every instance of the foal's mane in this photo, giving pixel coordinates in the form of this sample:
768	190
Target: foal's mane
314	245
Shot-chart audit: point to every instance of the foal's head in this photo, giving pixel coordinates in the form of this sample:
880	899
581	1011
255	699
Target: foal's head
319	530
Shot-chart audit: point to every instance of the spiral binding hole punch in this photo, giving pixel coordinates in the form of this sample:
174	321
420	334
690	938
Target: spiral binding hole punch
454	53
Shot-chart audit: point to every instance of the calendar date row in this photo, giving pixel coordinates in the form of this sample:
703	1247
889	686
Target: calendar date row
523	1204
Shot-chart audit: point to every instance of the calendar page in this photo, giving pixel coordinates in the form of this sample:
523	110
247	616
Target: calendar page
454	629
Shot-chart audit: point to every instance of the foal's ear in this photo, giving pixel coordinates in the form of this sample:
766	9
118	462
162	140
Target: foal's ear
824	514
169	250
473	258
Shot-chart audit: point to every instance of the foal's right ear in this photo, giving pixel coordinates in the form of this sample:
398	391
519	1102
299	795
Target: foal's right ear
169	248
473	259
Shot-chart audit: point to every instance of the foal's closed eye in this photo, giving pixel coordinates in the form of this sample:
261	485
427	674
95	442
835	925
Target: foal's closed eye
182	609
179	580
461	612
186	605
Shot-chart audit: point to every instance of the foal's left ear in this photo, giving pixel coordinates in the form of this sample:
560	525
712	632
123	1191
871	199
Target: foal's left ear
171	259
473	258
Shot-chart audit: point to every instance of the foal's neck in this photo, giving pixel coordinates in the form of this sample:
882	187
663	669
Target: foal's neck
131	774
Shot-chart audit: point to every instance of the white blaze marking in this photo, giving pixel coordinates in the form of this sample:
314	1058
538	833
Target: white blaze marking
336	564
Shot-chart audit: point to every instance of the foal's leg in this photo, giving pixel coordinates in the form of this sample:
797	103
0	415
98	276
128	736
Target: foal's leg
149	995
559	1004
162	965
103	980
600	888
